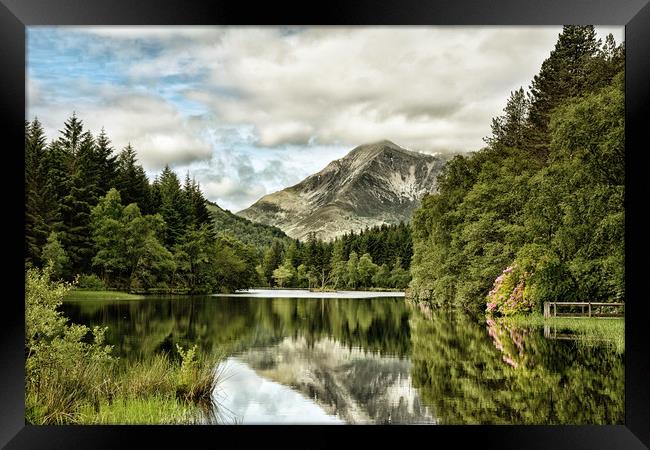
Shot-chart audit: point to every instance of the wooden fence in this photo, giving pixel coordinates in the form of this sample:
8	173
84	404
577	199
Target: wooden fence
584	309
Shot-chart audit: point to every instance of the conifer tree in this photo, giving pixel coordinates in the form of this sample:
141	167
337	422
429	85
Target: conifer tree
564	74
40	207
131	180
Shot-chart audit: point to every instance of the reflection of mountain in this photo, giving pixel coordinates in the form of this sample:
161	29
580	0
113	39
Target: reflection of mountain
355	385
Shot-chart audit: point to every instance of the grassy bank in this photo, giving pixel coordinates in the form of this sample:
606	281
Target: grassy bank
82	294
155	391
591	328
72	376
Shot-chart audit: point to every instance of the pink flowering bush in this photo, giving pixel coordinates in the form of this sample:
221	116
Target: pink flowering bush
508	295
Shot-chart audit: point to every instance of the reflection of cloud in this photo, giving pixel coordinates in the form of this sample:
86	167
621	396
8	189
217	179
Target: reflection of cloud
256	400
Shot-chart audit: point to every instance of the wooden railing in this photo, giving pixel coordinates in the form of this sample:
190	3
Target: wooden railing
587	309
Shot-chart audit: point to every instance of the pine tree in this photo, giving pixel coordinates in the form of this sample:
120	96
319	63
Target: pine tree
39	204
80	192
564	74
196	203
510	129
131	180
174	207
105	163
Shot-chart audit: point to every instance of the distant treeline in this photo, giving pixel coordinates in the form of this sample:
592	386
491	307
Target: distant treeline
256	234
376	257
537	214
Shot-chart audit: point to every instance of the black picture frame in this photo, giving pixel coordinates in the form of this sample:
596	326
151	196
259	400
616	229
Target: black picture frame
15	15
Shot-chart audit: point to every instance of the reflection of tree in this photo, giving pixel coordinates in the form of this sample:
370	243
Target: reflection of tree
138	329
511	376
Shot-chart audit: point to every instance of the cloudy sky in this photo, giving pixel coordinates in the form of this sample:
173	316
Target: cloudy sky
251	110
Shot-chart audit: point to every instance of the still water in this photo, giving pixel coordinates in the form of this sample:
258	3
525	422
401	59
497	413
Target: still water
297	357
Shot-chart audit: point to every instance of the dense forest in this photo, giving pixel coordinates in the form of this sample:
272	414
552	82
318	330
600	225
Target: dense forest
377	257
256	234
538	214
92	213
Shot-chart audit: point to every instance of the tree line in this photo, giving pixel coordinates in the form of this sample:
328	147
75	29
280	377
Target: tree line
91	211
537	214
377	257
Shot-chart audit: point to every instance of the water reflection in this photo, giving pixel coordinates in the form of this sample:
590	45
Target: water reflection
245	397
305	360
488	373
356	385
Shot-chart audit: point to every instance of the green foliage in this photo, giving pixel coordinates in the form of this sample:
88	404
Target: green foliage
283	274
55	256
256	234
91	282
545	196
127	244
62	368
337	264
72	377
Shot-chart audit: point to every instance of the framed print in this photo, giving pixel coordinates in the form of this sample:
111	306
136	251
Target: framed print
287	220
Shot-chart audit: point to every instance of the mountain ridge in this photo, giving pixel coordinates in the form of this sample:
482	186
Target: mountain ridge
372	184
248	232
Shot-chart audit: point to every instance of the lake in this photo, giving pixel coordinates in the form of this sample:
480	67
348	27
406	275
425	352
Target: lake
368	358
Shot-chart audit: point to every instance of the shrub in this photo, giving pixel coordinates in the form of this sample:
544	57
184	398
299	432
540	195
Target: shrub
90	282
63	368
508	295
196	378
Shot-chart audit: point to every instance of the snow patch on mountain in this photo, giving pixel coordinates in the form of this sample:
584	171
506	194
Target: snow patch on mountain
372	185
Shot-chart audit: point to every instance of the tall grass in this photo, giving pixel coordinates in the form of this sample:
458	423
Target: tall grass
153	390
72	377
608	330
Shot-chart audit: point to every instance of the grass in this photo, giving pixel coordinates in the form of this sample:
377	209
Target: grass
72	377
157	390
611	329
152	410
78	294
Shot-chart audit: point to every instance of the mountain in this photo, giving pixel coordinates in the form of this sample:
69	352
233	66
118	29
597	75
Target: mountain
373	184
256	234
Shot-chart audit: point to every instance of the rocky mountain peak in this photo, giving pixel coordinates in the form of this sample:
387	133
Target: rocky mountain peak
373	184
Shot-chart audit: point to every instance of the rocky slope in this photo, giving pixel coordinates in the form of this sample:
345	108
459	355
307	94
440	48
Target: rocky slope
373	184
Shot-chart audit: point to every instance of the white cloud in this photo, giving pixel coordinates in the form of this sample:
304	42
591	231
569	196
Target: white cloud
275	105
155	128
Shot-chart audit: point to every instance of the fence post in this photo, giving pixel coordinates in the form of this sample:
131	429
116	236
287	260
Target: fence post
589	308
555	309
